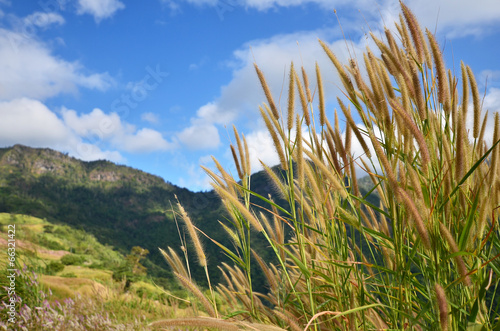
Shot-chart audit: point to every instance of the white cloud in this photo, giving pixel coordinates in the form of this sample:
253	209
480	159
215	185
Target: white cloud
199	64
143	141
29	122
491	103
86	136
267	4
211	113
150	117
109	128
261	147
95	123
195	177
240	98
173	6
100	82
274	55
196	137
193	66
264	5
90	152
203	134
100	9
43	20
30	70
489	77
198	2
492	100
457	18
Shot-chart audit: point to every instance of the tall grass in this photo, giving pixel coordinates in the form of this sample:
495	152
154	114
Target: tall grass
426	258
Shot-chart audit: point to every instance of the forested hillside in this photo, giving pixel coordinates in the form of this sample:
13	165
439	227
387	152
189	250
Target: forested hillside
121	206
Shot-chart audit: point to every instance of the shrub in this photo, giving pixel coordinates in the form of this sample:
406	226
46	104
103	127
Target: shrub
48	228
50	244
98	265
72	259
54	267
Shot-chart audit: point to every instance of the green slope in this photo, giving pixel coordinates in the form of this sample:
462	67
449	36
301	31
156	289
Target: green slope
121	206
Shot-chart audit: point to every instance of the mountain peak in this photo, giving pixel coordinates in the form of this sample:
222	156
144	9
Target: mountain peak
45	161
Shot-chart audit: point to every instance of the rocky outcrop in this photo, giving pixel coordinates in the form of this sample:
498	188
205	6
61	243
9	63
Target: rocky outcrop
44	166
107	176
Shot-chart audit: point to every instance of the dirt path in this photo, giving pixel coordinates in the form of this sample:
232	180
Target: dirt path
32	247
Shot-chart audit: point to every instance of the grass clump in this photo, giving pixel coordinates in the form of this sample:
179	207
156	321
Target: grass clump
425	258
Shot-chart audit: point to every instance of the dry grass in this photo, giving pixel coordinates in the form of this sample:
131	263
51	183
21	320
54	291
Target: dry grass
63	287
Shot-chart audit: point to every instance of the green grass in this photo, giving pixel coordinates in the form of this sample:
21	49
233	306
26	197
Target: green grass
90	273
6	219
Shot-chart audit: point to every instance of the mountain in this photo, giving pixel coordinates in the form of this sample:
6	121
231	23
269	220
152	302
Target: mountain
121	206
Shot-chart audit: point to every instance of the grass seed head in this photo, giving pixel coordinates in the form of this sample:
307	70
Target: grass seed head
306	85
236	162
442	306
476	101
291	98
303	101
321	96
267	92
415	31
443	88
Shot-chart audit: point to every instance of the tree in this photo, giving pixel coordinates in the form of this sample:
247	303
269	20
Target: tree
132	269
136	255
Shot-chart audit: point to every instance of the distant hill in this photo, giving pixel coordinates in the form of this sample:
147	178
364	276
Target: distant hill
121	206
45	161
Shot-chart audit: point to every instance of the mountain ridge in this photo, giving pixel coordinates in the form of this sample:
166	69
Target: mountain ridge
121	206
41	161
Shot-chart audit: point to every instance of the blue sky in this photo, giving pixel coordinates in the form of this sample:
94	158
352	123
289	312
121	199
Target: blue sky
158	84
